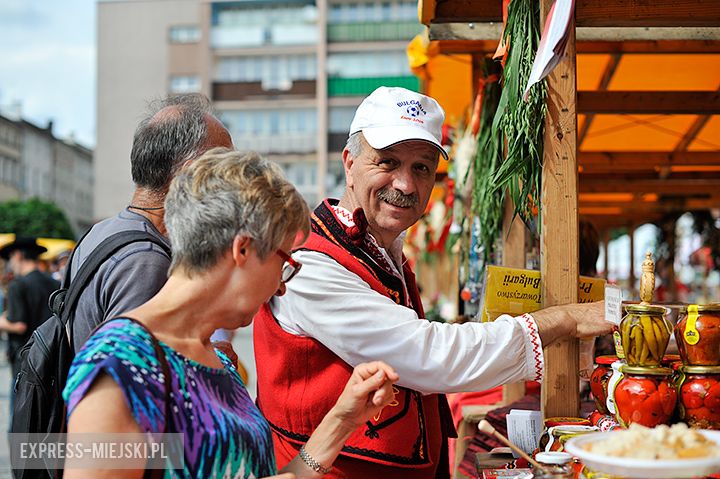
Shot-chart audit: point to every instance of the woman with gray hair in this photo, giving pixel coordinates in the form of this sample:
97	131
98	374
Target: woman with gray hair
232	219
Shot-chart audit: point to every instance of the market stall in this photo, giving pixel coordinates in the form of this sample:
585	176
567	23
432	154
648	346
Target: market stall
630	134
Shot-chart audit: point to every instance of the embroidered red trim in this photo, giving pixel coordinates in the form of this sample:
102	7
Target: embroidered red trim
536	344
343	215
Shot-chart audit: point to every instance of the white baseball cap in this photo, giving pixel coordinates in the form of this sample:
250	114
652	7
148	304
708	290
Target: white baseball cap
391	115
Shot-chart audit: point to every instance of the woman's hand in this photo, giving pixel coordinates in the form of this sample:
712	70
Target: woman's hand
369	389
287	475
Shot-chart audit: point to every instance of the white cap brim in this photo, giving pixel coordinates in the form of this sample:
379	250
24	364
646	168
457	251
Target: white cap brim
387	136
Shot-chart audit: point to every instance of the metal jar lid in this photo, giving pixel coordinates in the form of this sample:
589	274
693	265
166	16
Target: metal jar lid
700	369
645	309
704	308
558	458
606	360
645	371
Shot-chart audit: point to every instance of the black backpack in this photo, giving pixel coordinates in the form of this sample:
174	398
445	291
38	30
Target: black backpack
45	359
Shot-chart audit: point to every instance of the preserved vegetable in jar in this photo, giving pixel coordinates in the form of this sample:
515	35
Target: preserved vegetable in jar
698	335
599	381
699	401
645	396
645	334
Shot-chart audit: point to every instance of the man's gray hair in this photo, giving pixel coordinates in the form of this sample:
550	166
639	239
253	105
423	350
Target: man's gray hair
226	193
355	144
163	142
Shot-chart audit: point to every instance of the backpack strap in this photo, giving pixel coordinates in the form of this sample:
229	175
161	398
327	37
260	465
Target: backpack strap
97	257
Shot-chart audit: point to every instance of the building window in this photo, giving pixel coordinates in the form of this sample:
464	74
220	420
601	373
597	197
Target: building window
273	131
274	70
185	34
184	83
368	64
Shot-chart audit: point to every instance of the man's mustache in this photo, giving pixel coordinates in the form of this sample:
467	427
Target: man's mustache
398	198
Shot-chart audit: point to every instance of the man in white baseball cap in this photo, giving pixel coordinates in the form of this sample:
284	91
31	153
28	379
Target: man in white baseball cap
355	300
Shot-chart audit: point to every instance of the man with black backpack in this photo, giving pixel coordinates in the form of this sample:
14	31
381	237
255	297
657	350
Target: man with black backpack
118	265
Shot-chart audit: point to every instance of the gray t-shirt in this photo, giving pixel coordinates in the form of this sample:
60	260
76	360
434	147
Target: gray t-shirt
133	275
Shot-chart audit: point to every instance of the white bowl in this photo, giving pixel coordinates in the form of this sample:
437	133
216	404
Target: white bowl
642	468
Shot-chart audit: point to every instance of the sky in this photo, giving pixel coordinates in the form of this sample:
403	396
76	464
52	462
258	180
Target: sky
47	64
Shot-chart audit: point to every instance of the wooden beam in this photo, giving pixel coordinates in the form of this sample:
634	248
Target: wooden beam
644	160
647	13
669	205
513	256
598	13
671	187
607	75
692	132
650	46
631	276
649	102
599	40
560	394
468	11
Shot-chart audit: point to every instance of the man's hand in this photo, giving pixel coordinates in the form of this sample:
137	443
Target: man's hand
572	321
369	389
15	328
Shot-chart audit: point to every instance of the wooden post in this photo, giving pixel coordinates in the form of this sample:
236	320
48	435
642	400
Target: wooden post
513	256
631	277
559	236
672	285
606	244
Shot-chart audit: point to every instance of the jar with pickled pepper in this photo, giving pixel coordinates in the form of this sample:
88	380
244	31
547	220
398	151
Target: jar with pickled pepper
645	333
699	401
645	396
697	333
599	381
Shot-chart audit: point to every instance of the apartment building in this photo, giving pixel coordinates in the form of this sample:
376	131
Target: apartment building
36	164
284	76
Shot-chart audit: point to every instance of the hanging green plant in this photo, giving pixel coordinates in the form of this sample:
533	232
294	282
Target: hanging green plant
487	200
521	122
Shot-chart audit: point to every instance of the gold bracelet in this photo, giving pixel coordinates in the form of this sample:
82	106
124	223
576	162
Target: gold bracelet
312	463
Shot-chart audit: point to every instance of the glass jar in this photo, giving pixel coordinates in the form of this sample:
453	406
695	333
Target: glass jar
599	381
645	396
699	401
697	333
645	333
557	465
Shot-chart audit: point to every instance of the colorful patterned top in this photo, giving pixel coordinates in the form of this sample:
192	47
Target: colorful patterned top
225	434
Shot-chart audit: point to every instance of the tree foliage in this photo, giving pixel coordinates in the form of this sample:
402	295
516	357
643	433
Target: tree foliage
34	217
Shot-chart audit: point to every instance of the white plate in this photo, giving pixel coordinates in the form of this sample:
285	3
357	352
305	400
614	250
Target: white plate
642	468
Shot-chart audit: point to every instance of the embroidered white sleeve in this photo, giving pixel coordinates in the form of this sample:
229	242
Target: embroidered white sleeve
336	307
533	346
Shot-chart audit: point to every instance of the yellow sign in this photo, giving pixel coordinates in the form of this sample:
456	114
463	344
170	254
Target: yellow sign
517	291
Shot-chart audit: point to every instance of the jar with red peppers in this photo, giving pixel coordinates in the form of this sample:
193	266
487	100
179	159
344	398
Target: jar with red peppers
599	381
699	402
645	396
697	333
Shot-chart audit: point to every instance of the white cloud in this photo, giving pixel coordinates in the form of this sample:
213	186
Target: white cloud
48	63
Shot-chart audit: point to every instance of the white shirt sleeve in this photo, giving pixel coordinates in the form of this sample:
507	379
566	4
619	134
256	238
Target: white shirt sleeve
335	306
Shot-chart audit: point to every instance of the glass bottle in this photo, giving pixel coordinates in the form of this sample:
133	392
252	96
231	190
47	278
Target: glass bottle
557	465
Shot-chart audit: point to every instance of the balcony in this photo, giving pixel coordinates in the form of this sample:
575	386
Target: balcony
282	143
365	86
368	32
235	91
247	36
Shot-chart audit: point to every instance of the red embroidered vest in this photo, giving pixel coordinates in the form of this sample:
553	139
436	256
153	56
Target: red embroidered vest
299	380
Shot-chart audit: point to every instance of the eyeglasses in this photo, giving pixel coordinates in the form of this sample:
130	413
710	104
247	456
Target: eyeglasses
290	268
